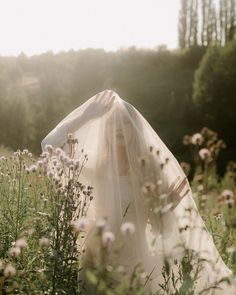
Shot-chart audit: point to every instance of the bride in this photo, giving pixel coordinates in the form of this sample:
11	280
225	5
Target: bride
137	180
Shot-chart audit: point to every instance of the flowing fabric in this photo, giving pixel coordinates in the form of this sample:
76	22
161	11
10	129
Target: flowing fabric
137	179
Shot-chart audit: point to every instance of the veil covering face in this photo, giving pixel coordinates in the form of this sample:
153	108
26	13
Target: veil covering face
137	179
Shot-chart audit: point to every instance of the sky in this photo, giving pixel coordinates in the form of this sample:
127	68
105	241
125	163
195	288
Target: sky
37	26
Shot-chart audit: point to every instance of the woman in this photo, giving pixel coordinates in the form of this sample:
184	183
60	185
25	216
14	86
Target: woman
136	179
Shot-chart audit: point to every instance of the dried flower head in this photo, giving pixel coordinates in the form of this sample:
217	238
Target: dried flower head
107	238
127	228
21	243
197	139
9	271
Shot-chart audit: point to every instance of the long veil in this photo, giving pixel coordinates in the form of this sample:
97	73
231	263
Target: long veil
137	179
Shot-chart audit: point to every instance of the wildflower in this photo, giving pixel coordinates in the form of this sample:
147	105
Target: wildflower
127	228
40	163
25	151
186	167
59	151
45	154
15	251
204	154
227	194
44	242
186	140
2	158
197	139
30	155
50	174
21	243
101	224
49	148
200	188
148	187
80	225
107	238
9	271
33	168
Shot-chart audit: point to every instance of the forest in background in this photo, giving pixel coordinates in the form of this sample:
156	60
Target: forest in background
178	91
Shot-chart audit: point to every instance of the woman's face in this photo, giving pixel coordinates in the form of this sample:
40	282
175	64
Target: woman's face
119	129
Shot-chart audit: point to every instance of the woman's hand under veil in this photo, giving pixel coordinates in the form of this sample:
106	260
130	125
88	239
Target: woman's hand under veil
177	190
102	103
98	107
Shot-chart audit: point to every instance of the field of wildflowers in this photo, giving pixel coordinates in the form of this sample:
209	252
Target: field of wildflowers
43	222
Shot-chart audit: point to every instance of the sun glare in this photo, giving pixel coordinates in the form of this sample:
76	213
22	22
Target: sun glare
37	26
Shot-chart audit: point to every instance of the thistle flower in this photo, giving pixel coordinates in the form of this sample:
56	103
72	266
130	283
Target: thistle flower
107	238
33	168
127	228
100	224
80	225
49	148
148	187
21	243
40	163
44	242
197	139
25	151
204	154
227	194
14	251
50	174
9	271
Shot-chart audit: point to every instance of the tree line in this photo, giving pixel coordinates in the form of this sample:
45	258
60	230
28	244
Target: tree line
205	22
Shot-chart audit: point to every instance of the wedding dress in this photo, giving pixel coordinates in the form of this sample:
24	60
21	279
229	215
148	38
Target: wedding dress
137	179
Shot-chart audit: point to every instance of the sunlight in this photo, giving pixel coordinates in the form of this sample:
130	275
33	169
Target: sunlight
35	26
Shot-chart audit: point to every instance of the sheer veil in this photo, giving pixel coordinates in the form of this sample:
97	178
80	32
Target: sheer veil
137	179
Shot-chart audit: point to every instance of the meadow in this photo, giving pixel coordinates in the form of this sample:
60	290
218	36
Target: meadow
43	222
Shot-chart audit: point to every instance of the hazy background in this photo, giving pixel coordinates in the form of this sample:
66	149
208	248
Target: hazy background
175	61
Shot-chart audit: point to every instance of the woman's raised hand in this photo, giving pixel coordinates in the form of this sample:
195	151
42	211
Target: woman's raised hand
101	104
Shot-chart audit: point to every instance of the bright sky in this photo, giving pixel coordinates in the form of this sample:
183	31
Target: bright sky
36	26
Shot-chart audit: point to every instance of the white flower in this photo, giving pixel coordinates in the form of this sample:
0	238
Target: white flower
40	163
21	243
9	271
197	139
107	238
148	187
227	194
59	151
101	223
2	158
50	174
204	154
25	151
49	148
14	251
44	242
80	225
127	228
33	168
200	187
